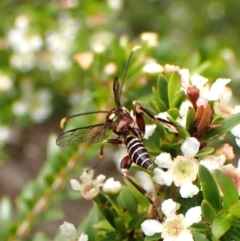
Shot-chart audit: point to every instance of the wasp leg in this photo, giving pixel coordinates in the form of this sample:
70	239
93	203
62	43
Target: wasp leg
115	142
140	109
125	165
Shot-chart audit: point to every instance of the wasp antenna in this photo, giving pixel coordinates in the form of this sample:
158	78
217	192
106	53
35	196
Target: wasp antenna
126	67
64	120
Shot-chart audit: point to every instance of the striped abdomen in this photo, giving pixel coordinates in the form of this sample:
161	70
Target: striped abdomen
138	152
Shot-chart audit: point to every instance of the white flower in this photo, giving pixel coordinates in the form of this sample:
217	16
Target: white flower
100	41
193	215
151	226
183	170
5	134
89	187
23	62
185	77
236	130
149	130
174	227
110	68
190	147
169	69
150	38
164	160
68	229
217	88
6	82
213	162
198	81
169	207
152	68
188	190
115	4
161	177
83	237
111	186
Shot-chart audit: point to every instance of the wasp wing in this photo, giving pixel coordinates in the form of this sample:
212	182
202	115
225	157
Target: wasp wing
88	134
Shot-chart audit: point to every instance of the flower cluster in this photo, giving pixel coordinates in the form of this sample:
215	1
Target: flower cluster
90	187
175	226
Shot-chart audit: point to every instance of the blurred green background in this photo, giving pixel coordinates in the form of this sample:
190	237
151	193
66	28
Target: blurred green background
60	57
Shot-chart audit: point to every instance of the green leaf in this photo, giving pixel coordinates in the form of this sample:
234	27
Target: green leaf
220	226
140	199
207	211
232	234
52	214
128	202
206	151
120	225
5	216
209	188
137	220
174	86
178	98
199	236
190	119
153	238
228	187
40	236
225	126
235	210
110	215
162	90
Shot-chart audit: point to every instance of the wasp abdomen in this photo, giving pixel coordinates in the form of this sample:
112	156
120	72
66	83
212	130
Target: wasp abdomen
138	152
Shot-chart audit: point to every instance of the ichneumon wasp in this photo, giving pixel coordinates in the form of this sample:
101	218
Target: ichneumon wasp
130	130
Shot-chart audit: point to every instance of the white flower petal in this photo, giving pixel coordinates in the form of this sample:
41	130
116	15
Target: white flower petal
83	237
190	147
198	81
149	129
164	160
236	130
193	215
161	177
153	68
100	179
185	76
217	88
213	162
169	208
68	229
184	236
151	227
111	186
76	185
188	190
87	175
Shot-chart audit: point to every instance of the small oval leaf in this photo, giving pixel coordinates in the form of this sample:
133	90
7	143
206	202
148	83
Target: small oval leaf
207	211
220	226
209	188
228	187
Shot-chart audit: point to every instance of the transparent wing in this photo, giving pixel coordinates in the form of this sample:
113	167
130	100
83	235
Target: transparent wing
88	134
